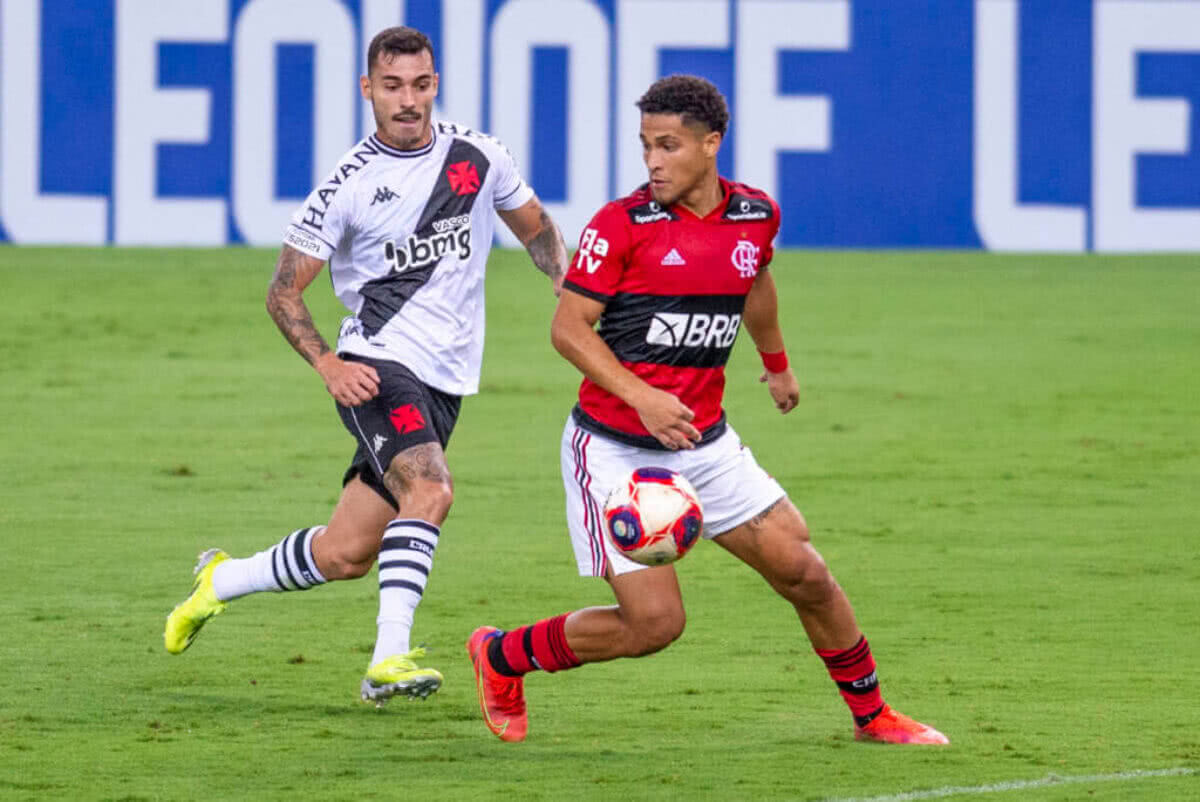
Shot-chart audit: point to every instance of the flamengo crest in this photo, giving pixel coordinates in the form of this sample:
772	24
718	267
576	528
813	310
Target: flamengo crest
745	258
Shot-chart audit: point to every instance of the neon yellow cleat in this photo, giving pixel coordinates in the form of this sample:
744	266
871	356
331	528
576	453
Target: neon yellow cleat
184	622
399	675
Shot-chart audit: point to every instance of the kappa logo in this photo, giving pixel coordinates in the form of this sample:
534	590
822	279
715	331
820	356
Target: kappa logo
383	195
745	258
378	442
679	329
673	258
592	250
464	178
407	419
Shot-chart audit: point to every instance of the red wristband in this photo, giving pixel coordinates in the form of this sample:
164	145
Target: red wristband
776	362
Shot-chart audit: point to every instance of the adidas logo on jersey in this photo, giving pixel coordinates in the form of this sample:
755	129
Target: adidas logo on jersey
383	195
672	258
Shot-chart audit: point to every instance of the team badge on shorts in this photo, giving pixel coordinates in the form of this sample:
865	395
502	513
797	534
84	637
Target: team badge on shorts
407	419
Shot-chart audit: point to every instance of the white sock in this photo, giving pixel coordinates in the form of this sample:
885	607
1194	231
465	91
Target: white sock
405	558
288	565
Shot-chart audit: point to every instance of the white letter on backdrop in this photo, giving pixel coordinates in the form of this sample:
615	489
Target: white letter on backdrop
262	26
28	215
1124	126
582	28
147	116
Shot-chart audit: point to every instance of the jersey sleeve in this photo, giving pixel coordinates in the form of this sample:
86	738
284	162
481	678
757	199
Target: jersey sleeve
603	255
317	227
511	190
769	248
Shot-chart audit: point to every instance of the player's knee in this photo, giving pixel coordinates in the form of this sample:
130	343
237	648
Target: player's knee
435	499
804	578
426	499
655	633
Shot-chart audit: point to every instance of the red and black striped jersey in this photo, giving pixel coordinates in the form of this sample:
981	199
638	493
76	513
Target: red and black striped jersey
674	286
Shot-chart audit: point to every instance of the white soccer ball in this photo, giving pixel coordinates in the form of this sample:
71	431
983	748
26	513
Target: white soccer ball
653	516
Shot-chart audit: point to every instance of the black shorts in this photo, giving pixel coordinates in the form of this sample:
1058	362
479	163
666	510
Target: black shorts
406	413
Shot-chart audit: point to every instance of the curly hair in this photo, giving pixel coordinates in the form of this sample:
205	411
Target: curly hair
693	98
400	39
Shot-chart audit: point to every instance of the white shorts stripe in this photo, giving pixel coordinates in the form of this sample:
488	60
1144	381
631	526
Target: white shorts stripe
592	520
366	440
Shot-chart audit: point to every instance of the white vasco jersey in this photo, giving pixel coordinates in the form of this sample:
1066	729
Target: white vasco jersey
407	235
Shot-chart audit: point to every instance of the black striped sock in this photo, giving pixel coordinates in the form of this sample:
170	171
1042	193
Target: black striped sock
405	559
292	564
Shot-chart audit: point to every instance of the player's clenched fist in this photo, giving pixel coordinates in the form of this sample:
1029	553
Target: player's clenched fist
668	419
350	383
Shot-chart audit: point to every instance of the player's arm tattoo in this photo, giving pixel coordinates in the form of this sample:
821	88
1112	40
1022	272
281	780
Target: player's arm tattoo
285	302
547	248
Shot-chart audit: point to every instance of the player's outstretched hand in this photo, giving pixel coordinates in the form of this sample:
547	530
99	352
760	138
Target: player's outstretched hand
350	383
668	419
784	389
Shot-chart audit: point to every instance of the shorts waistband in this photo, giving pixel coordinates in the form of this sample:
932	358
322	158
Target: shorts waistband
588	423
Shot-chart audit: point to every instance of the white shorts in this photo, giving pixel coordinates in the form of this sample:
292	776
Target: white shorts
732	487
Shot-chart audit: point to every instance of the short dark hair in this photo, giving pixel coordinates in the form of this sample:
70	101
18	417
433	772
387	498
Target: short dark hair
693	98
400	39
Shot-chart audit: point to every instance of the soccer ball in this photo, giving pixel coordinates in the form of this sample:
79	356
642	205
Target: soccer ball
653	516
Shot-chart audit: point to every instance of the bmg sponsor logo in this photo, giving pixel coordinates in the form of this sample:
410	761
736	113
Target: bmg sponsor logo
448	238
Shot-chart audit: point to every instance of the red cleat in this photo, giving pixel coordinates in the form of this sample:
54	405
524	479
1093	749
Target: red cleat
501	698
890	727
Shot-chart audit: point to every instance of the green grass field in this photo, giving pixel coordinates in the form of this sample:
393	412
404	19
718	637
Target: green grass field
999	456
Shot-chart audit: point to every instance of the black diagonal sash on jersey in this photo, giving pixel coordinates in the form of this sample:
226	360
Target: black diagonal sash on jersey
383	297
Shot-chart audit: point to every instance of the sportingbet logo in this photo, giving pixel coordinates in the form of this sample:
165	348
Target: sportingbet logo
592	250
654	213
675	329
452	235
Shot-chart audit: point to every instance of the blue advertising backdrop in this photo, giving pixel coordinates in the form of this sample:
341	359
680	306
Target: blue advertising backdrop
1067	125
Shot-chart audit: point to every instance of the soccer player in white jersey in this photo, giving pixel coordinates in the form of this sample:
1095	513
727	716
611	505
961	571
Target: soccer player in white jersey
405	223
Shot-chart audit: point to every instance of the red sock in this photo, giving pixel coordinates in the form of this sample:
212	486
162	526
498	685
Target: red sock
853	670
538	646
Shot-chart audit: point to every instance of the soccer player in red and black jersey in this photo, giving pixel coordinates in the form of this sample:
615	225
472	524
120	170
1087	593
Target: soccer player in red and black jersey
661	283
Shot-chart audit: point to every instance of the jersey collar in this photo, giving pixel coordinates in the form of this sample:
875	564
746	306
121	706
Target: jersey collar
718	210
405	154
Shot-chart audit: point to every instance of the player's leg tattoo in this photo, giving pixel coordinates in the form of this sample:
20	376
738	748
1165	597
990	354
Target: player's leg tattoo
756	523
424	463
